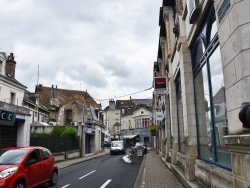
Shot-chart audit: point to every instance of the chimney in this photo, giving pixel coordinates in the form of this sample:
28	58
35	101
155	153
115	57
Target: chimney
10	65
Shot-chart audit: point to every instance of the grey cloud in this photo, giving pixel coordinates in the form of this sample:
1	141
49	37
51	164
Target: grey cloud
115	66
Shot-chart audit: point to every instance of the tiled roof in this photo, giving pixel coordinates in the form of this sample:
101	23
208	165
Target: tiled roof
64	96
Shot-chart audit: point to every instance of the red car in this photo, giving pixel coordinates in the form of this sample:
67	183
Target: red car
26	167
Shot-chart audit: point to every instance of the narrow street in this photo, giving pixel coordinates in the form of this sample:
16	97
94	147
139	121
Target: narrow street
105	171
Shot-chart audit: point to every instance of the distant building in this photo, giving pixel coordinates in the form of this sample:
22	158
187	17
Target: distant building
129	119
74	108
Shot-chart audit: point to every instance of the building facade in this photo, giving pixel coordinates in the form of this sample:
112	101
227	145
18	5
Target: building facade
14	118
202	54
74	108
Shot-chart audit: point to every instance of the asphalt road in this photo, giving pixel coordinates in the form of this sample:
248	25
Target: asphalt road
108	171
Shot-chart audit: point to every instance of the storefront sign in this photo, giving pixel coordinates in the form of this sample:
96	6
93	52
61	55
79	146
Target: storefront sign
159	116
7	117
160	83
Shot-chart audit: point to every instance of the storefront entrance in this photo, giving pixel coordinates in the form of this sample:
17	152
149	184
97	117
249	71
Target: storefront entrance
8	135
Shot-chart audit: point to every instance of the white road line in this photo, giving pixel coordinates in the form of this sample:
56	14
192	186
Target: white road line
87	174
65	186
106	183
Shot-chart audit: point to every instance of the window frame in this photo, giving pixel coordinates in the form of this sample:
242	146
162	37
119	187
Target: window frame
178	98
210	46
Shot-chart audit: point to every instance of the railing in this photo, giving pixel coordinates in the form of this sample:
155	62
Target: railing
55	143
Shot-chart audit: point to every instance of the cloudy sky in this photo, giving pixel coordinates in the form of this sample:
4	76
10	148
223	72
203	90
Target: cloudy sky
106	47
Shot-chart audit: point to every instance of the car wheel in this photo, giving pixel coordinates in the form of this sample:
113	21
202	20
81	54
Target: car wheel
111	153
54	178
20	184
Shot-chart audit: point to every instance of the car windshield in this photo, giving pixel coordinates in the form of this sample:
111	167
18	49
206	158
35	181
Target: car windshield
10	157
138	144
117	144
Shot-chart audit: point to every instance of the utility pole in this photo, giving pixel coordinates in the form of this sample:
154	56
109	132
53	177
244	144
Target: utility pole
83	132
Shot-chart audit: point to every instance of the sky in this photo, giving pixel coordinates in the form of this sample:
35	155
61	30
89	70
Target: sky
106	48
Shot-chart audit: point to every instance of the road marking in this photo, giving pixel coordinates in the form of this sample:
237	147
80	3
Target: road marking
65	186
106	183
87	174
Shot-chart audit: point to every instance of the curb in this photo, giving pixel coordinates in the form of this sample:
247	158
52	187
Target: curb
139	177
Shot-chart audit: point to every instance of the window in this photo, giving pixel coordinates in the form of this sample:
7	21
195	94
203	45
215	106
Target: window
35	156
12	98
145	122
117	117
210	101
137	123
179	113
123	110
146	140
68	118
45	154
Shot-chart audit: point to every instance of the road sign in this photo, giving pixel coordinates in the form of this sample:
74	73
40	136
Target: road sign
161	92
89	122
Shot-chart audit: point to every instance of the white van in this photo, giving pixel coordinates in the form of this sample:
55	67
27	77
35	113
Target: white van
117	147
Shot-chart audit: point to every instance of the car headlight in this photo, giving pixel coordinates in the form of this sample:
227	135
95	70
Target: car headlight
121	148
8	172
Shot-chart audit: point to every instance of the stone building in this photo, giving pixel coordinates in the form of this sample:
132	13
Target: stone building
203	55
129	119
74	108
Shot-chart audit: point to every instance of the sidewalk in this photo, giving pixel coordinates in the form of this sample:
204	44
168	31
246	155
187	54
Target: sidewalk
70	162
154	174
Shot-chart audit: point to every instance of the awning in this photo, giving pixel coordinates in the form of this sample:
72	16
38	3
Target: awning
39	123
129	136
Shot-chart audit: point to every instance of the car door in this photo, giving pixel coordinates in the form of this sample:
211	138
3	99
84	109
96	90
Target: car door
47	163
33	168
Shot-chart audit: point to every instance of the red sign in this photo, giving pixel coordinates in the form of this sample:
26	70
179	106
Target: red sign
160	83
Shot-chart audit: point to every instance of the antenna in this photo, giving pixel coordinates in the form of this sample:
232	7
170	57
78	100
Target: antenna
38	74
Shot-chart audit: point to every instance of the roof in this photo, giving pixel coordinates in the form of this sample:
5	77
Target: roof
39	123
123	103
9	78
129	136
147	102
64	96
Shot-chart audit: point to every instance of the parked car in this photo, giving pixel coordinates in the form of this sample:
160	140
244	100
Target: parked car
117	147
141	146
24	167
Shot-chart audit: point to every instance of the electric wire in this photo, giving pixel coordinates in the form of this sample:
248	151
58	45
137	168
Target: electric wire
124	95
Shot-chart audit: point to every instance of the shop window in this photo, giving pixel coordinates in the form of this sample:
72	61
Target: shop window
179	113
210	101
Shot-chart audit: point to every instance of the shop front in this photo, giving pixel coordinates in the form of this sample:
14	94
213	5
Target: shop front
8	128
14	126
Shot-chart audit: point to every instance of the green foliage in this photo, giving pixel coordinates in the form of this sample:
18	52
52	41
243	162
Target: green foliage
69	131
64	131
57	130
